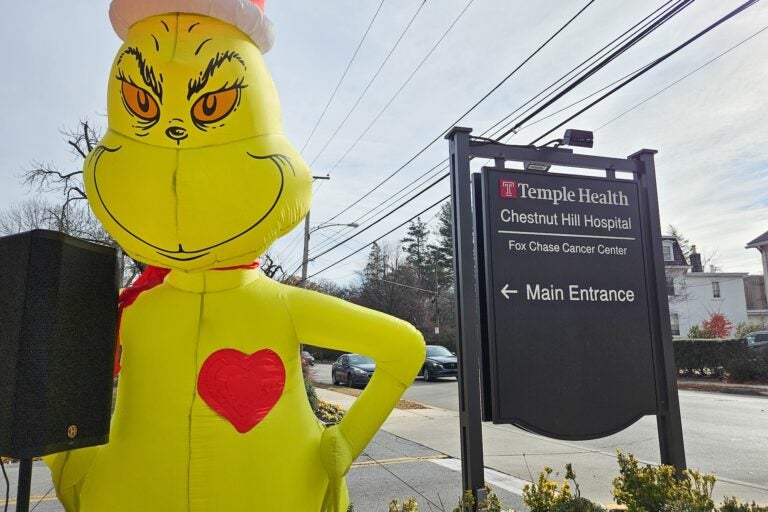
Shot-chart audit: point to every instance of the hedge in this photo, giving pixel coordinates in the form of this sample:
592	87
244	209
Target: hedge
720	358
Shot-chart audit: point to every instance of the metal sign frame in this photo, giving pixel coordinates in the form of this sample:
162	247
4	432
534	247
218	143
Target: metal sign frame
470	286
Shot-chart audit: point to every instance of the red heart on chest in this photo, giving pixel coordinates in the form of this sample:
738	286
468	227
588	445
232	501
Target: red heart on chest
240	387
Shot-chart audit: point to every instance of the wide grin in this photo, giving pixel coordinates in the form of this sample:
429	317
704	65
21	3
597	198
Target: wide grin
278	160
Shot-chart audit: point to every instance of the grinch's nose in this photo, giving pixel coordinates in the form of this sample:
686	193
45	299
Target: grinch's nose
176	133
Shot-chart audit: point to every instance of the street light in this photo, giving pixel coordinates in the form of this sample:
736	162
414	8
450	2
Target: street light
307	232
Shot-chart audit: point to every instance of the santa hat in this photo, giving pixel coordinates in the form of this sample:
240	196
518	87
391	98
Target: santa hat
247	15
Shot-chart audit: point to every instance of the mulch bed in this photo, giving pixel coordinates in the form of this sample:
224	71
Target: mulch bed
402	404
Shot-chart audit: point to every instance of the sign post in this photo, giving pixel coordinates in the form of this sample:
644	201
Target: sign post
566	311
468	317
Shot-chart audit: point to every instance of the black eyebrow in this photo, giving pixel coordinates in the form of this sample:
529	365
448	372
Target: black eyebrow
214	64
166	26
192	26
157	43
201	46
146	71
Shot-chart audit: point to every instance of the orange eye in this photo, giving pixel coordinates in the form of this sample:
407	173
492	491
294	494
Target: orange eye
215	106
140	102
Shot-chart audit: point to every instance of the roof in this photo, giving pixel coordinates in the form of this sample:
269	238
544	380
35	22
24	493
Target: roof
677	253
759	241
716	274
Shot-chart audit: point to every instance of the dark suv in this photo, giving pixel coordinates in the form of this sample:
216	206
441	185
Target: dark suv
757	340
440	362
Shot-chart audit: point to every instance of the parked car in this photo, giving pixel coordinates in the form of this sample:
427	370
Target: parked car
307	358
352	370
440	362
757	340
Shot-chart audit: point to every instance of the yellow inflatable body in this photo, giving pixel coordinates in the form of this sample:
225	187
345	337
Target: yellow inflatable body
194	175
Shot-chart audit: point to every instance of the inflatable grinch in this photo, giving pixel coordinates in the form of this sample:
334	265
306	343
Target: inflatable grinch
195	177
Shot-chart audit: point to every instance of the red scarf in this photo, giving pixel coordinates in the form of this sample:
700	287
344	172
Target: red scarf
151	277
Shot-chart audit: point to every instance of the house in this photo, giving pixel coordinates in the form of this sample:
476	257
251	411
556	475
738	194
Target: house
756	287
694	295
757	306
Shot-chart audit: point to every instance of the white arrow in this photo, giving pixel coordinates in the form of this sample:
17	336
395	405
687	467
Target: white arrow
506	291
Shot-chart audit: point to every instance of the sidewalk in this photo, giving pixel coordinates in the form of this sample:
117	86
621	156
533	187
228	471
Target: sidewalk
390	468
521	455
415	454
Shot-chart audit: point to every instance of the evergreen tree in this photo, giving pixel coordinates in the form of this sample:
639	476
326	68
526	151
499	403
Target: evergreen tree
417	252
685	244
376	267
441	251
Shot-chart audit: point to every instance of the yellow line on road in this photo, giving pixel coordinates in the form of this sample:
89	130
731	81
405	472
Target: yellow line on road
399	460
36	499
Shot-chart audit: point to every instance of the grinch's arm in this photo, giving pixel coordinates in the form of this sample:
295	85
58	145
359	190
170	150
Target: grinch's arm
396	346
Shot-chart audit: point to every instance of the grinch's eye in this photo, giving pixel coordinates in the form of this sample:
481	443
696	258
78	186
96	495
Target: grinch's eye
215	106
140	102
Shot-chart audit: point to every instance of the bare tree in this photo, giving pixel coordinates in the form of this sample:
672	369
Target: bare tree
70	212
40	214
25	216
68	184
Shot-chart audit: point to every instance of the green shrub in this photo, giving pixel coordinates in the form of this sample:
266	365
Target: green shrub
751	365
696	331
655	488
544	494
491	503
314	402
707	356
733	505
547	496
577	505
744	328
328	412
409	505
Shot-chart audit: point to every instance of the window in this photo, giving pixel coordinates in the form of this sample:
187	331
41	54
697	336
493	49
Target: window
668	254
674	321
671	286
716	289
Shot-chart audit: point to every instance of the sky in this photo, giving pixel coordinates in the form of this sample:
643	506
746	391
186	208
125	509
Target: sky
709	129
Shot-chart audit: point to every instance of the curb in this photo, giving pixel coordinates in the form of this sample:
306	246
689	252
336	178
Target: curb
719	387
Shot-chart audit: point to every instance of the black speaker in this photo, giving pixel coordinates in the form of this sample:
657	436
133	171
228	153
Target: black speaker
58	321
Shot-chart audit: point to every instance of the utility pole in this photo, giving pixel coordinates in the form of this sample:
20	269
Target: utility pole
437	304
305	257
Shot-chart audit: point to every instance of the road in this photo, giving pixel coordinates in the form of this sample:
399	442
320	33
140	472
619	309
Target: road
724	434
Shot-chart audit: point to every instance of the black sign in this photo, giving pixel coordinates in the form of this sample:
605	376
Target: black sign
569	328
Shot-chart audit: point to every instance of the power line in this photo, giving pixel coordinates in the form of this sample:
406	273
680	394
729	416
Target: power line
580	65
710	61
368	86
397	93
433	292
343	76
329	239
369	226
506	78
653	64
440	135
646	31
676	9
431	173
379	238
553	114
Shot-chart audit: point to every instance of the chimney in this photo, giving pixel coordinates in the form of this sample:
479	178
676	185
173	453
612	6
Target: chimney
695	259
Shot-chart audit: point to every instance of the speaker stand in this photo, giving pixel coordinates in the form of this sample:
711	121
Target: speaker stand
25	484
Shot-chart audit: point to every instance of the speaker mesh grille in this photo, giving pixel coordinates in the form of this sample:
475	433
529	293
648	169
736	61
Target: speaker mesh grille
64	346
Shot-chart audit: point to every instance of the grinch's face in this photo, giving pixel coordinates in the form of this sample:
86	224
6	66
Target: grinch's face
194	172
